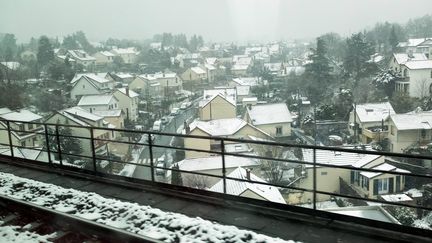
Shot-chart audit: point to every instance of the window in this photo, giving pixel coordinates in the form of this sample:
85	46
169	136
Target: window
21	127
323	173
278	130
392	130
30	126
383	186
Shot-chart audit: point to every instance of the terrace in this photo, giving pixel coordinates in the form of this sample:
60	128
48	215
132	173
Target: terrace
305	216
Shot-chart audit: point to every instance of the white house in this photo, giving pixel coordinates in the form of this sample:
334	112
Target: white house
92	103
157	84
194	75
21	132
371	120
218	104
249	189
418	45
89	84
274	119
409	130
128	102
80	57
103	58
415	69
128	55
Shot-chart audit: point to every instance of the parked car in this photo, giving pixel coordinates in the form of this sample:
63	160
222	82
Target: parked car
174	111
157	126
164	120
160	171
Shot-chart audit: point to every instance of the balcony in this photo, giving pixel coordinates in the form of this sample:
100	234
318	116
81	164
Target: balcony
302	199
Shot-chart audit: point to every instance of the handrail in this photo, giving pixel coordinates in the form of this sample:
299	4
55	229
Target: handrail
222	142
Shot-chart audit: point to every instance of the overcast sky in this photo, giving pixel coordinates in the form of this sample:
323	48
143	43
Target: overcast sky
216	20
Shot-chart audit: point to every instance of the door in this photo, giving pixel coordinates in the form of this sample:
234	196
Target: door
398	183
391	184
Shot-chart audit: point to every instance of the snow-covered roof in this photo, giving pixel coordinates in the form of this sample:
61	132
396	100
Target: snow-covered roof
243	90
158	75
80	55
11	65
269	114
246	81
198	70
412	121
374	112
413	192
120	51
25	153
402	58
219	127
385	167
298	70
332	157
102	99
215	162
132	94
239	67
233	187
78	112
366	160
273	67
250	99
108	113
209	66
5	110
242	60
226	93
413	42
107	53
21	115
94	77
426	64
367	212
396	198
211	60
124	75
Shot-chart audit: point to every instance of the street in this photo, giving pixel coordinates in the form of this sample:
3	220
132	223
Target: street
172	126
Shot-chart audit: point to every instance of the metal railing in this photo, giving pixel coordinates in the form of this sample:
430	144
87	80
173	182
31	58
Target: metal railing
56	157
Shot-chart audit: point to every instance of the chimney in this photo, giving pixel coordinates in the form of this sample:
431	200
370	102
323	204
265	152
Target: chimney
248	171
186	127
127	91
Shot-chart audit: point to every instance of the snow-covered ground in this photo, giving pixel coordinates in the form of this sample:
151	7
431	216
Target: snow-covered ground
19	234
139	219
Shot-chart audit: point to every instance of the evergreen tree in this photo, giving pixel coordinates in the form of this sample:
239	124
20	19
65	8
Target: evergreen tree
8	47
68	145
393	39
176	177
45	51
357	56
318	73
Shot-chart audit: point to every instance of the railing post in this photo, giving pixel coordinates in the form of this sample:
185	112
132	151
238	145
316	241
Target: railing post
314	179
150	143
47	144
223	165
58	144
93	149
10	138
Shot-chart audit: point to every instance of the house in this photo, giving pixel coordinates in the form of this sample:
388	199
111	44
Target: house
128	102
79	57
157	84
415	70
373	184
128	55
241	65
250	101
230	127
371	121
187	60
328	178
35	153
418	45
211	72
409	130
275	69
124	78
374	212
245	81
194	75
103	58
89	84
212	166
296	70
80	117
92	103
248	189
274	119
114	117
218	104
23	134
243	92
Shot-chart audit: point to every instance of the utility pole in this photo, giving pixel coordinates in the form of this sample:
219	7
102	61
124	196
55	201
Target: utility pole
355	122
